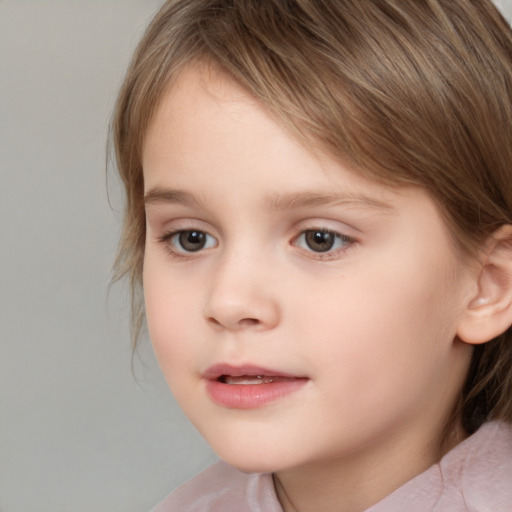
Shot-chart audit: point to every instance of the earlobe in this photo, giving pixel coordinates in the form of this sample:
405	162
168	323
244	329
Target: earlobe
489	313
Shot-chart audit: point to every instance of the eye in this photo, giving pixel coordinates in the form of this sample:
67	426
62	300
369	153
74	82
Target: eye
322	240
191	240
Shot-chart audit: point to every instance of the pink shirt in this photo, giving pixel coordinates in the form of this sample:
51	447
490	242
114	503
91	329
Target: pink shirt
476	476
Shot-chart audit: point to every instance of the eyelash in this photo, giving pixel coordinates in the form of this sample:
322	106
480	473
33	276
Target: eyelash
328	254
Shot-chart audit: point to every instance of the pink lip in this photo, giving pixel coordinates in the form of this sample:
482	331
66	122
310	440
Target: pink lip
275	385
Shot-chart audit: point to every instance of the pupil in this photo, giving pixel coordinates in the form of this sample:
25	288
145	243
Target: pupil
192	240
319	241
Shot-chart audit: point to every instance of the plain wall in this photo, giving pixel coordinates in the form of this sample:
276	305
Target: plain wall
78	433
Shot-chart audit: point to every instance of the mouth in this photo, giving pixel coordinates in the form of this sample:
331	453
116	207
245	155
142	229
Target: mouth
248	380
248	387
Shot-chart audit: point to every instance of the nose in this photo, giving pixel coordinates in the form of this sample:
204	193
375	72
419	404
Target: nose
242	296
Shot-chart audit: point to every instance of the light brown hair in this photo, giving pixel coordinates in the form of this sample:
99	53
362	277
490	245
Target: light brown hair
406	91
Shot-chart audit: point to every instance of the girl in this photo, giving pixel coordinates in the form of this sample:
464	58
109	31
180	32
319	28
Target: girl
319	208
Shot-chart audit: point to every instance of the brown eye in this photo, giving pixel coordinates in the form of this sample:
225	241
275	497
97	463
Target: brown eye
322	241
192	240
319	241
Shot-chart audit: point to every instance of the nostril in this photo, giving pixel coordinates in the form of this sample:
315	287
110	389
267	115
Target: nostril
214	321
235	324
249	321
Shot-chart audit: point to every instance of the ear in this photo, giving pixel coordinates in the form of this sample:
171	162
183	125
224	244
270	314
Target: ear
489	313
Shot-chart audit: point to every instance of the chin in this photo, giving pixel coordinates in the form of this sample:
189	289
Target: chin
252	441
252	464
253	457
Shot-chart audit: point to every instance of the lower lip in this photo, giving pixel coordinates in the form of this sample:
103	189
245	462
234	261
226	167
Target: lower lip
251	396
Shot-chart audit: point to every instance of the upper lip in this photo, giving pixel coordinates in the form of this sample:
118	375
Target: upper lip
218	370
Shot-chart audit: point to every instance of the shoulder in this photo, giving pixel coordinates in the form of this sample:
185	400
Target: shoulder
486	479
222	488
476	476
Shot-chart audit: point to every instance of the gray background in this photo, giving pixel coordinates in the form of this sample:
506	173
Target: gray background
78	433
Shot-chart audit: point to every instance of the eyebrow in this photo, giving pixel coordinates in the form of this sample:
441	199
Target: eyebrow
158	195
276	202
295	200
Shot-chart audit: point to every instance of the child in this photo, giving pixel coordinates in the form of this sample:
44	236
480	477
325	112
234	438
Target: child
319	207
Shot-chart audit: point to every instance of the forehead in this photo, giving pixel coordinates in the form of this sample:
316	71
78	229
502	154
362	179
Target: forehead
207	122
191	108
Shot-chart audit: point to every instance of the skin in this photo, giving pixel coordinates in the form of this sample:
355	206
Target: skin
372	324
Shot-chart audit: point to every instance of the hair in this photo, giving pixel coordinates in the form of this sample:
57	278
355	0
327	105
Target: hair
406	92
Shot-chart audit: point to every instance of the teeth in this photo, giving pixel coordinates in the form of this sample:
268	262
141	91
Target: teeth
247	379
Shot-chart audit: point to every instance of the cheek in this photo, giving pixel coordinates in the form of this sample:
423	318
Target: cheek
169	317
391	326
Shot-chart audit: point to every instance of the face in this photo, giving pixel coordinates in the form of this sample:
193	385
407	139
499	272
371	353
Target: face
299	311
